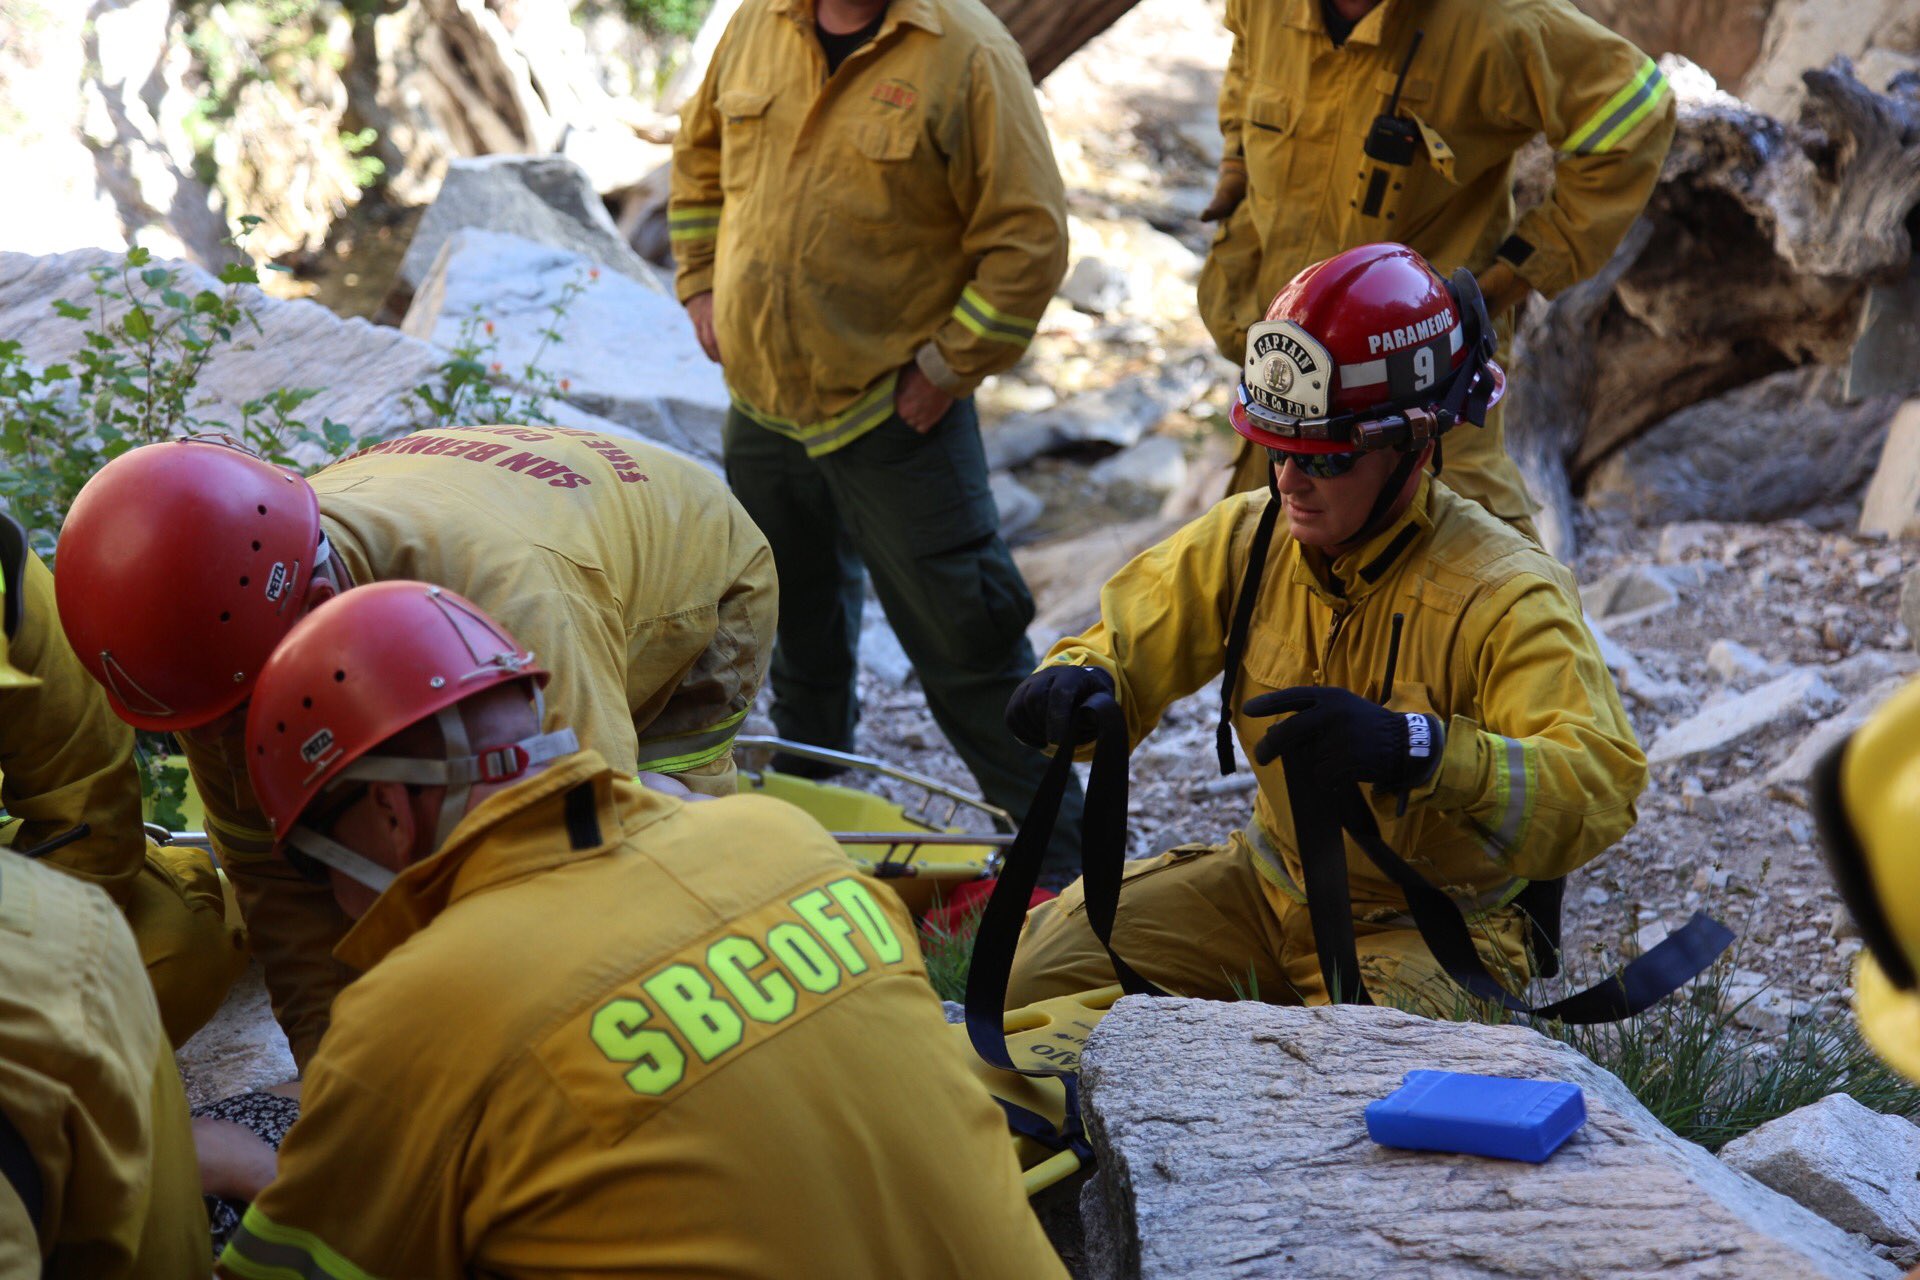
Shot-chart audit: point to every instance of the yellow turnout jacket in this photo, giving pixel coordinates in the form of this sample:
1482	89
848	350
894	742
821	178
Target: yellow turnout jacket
604	1032
87	1079
1488	77
906	207
65	758
631	573
1540	769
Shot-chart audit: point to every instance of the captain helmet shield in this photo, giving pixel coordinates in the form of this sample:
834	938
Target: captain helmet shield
1289	374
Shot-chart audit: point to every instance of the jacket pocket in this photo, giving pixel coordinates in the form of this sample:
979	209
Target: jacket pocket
743	128
1286	171
876	168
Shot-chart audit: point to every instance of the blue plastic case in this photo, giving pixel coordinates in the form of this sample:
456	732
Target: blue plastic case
1477	1115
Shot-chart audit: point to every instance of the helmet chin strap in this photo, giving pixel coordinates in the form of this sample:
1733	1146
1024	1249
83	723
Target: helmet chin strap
457	772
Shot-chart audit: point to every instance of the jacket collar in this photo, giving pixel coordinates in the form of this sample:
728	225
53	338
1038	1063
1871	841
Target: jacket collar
1353	575
575	808
924	14
1305	15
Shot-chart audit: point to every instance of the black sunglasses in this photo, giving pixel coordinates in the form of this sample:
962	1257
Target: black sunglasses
1320	466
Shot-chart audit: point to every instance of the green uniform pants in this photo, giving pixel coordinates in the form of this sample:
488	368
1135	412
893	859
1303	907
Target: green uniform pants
916	510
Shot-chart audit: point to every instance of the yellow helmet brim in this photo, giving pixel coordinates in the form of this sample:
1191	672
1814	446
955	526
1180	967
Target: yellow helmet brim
1889	1017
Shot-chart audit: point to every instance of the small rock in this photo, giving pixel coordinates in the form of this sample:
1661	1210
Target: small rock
1594	896
1676	540
1858	1169
1711	879
880	650
1734	662
1892	502
1799	830
1840	923
1910	604
1649	936
1695	800
1156	464
1630	595
1095	286
1734	719
1019	506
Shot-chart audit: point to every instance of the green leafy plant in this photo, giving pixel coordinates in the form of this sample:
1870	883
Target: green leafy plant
163	782
134	380
471	387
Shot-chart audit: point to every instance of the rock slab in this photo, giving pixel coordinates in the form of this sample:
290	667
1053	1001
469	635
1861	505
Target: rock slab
1232	1143
546	199
1892	504
1854	1167
626	352
365	374
1733	719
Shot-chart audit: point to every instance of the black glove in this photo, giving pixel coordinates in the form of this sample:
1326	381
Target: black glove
1046	706
1349	739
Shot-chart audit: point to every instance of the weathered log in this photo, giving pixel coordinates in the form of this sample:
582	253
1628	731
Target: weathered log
1756	253
1051	31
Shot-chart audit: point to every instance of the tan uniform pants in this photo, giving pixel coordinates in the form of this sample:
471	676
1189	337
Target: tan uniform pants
1200	920
187	926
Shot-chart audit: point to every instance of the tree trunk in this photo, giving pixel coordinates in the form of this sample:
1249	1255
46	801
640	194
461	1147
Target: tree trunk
1051	31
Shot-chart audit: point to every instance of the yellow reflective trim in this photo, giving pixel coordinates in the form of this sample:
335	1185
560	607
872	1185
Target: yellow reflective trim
1655	96
1603	118
706	231
692	213
706	746
869	411
994	315
294	1248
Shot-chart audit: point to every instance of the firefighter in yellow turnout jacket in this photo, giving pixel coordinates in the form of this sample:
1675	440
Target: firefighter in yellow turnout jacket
1298	108
867	221
65	760
97	1175
633	562
601	1030
1504	732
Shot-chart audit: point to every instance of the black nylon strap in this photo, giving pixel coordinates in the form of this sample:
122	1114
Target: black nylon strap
1650	978
1242	622
1329	908
1103	850
21	1171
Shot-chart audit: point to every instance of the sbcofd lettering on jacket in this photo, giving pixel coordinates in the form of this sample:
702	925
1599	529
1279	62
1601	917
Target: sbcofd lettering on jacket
664	1030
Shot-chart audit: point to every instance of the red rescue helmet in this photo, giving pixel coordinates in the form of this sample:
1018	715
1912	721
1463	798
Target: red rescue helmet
1369	349
356	671
181	566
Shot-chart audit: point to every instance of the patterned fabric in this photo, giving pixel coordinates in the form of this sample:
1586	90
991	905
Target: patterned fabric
269	1116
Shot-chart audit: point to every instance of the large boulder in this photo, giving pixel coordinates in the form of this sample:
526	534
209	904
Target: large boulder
625	351
546	199
364	375
1854	1167
1232	1142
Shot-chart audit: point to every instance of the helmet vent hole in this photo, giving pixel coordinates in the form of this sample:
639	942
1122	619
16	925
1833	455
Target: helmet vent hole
226	617
307	703
245	581
262	508
256	544
339	677
281	727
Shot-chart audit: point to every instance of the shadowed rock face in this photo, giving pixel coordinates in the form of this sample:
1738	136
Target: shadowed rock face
1233	1142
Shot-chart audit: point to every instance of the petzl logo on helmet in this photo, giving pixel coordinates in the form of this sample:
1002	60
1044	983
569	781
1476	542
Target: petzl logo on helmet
277	581
315	749
1288	372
